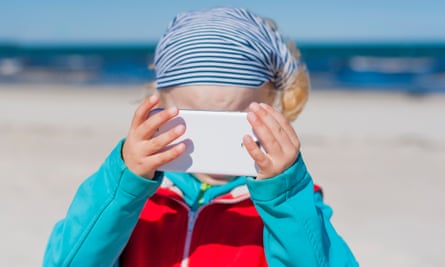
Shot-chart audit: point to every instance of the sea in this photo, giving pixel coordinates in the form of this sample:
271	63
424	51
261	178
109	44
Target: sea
415	68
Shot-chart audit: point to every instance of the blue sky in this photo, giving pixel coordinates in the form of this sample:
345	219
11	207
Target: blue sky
137	21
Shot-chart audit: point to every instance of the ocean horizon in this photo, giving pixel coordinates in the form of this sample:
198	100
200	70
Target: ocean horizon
414	67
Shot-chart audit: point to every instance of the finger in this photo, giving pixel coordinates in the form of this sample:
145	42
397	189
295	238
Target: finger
147	129
166	156
141	113
159	143
260	158
275	127
268	140
285	124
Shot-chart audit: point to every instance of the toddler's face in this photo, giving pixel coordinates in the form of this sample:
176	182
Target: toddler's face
216	97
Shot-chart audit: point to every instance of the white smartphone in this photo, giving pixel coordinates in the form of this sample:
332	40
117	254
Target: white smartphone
213	142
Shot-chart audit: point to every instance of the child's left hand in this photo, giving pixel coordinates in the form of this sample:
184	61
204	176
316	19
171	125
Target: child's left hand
277	137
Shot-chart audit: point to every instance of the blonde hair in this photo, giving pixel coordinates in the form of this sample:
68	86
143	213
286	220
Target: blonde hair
295	94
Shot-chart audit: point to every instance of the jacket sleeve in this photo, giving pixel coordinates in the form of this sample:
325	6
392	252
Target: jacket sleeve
297	228
101	217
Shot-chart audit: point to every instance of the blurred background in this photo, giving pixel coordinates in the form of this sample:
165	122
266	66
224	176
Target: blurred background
396	45
373	131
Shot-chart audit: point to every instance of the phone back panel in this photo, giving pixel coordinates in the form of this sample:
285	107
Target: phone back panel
213	142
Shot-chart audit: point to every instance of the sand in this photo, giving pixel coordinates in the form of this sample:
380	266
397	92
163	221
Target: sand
379	157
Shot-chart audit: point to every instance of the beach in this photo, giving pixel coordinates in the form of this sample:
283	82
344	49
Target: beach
379	157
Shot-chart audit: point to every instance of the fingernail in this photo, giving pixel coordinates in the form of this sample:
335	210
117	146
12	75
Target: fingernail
153	98
180	147
179	129
252	116
172	110
254	106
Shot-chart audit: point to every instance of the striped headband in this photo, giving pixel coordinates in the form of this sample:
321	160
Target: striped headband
222	46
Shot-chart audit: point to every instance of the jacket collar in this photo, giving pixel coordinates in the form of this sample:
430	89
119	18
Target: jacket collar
189	188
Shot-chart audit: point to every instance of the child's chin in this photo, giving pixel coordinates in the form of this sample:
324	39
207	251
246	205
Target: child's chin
214	179
221	178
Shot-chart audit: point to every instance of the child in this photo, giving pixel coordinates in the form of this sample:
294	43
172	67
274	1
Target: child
130	214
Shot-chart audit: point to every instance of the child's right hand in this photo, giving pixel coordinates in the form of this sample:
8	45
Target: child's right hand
143	153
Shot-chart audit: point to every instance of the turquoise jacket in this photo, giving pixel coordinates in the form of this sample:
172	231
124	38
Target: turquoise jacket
107	205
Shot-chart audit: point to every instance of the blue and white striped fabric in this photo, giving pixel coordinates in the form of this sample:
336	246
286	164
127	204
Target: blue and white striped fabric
223	46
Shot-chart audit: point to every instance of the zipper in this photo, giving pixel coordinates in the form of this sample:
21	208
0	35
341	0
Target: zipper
191	220
192	216
188	238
